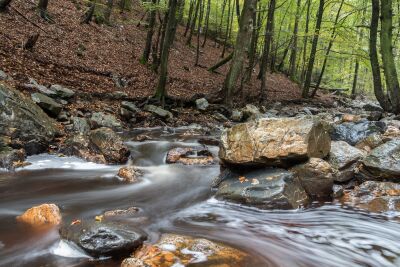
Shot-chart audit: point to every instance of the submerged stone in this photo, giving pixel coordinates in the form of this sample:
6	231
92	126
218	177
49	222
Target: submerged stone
45	214
263	188
179	250
101	239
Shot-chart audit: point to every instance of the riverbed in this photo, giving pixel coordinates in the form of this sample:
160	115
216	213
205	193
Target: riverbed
178	199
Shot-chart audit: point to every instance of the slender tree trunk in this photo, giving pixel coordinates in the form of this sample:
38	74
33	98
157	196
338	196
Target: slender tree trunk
150	33
359	47
228	25
199	24
237	4
169	39
192	4
388	63
4	4
222	20
373	54
154	53
207	22
108	11
267	41
303	69
193	25
253	45
239	54
42	6
310	67
328	50
89	13
221	63
293	54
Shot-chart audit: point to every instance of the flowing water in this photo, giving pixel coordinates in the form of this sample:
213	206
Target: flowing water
178	199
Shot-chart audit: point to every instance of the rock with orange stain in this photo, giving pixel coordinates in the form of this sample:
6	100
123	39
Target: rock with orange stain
45	214
279	142
351	118
179	250
374	196
129	174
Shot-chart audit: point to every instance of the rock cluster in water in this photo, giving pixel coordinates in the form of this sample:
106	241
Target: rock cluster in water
283	163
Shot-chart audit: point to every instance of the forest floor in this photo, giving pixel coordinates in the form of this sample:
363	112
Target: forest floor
86	56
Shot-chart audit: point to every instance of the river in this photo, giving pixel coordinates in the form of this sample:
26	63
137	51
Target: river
178	199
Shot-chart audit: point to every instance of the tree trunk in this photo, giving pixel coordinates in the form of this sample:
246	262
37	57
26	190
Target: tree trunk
253	45
293	54
169	39
267	40
242	45
388	63
221	63
42	6
193	25
89	13
207	22
108	11
150	32
191	7
228	25
373	54
199	24
4	4
303	72
328	50
310	66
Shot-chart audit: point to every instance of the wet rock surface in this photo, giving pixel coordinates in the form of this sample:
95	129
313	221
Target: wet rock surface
352	133
11	158
275	142
263	188
190	156
110	145
344	157
374	196
24	122
316	176
101	239
383	163
45	214
102	145
179	250
129	174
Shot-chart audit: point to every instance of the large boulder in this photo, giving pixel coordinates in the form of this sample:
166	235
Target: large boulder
22	120
374	196
383	163
344	157
110	145
353	132
179	250
316	176
48	104
263	188
101	239
45	214
275	142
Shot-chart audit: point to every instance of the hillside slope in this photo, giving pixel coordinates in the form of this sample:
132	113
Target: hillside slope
86	57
